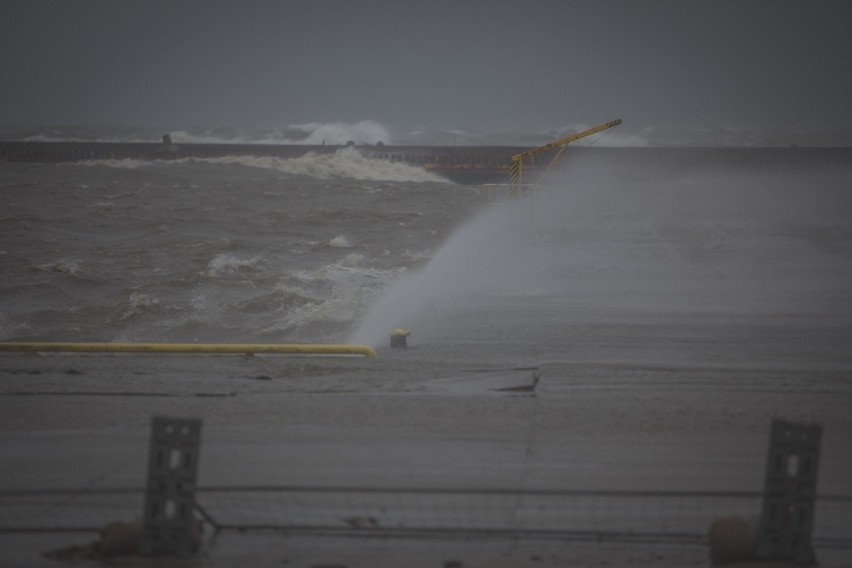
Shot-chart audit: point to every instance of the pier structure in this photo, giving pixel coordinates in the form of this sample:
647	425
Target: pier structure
467	165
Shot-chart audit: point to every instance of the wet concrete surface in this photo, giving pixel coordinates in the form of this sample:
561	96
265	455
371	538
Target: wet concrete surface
693	415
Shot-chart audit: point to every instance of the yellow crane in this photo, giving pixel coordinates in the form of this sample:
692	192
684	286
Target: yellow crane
516	171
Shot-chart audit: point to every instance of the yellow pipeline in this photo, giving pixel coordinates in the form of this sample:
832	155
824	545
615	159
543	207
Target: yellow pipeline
247	348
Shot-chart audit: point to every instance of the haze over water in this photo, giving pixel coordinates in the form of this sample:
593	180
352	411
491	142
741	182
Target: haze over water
673	288
324	247
671	300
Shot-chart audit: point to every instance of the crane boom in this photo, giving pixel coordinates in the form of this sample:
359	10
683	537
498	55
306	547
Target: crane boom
517	160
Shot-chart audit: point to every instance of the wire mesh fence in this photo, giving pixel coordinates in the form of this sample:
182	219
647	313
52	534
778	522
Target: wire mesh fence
579	515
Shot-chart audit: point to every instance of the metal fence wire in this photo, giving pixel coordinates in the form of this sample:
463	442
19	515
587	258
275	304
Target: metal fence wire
579	515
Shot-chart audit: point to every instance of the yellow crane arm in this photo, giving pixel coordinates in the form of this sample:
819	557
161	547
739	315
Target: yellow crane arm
516	167
567	139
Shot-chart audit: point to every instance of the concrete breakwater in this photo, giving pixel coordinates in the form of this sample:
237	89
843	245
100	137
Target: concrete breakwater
461	164
467	165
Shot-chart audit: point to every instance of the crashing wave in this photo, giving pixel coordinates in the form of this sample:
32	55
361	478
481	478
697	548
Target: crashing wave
345	163
137	304
63	266
312	133
340	241
229	264
123	163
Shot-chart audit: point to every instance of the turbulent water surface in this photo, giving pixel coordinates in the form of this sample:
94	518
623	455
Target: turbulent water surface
230	250
329	248
671	302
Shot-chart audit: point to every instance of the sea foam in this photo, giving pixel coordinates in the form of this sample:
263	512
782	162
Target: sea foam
229	264
345	163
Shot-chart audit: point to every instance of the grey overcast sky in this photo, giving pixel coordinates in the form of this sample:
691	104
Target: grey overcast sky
492	65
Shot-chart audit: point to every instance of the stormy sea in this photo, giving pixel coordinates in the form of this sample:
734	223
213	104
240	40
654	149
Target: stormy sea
669	301
338	247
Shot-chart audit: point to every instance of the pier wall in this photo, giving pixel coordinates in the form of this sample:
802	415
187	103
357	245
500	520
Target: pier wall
470	165
462	164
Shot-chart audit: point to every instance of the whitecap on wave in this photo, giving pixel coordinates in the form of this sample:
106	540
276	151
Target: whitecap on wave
137	304
334	294
122	163
63	266
340	241
311	133
12	326
229	264
345	163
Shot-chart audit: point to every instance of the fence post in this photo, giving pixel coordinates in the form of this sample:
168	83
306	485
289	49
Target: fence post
169	520
789	493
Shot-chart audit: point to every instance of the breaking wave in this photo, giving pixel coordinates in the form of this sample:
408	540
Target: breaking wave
62	266
229	264
312	133
363	132
124	163
334	294
340	242
137	304
344	163
372	132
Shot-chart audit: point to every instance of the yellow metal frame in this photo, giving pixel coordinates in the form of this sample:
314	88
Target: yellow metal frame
516	169
238	348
